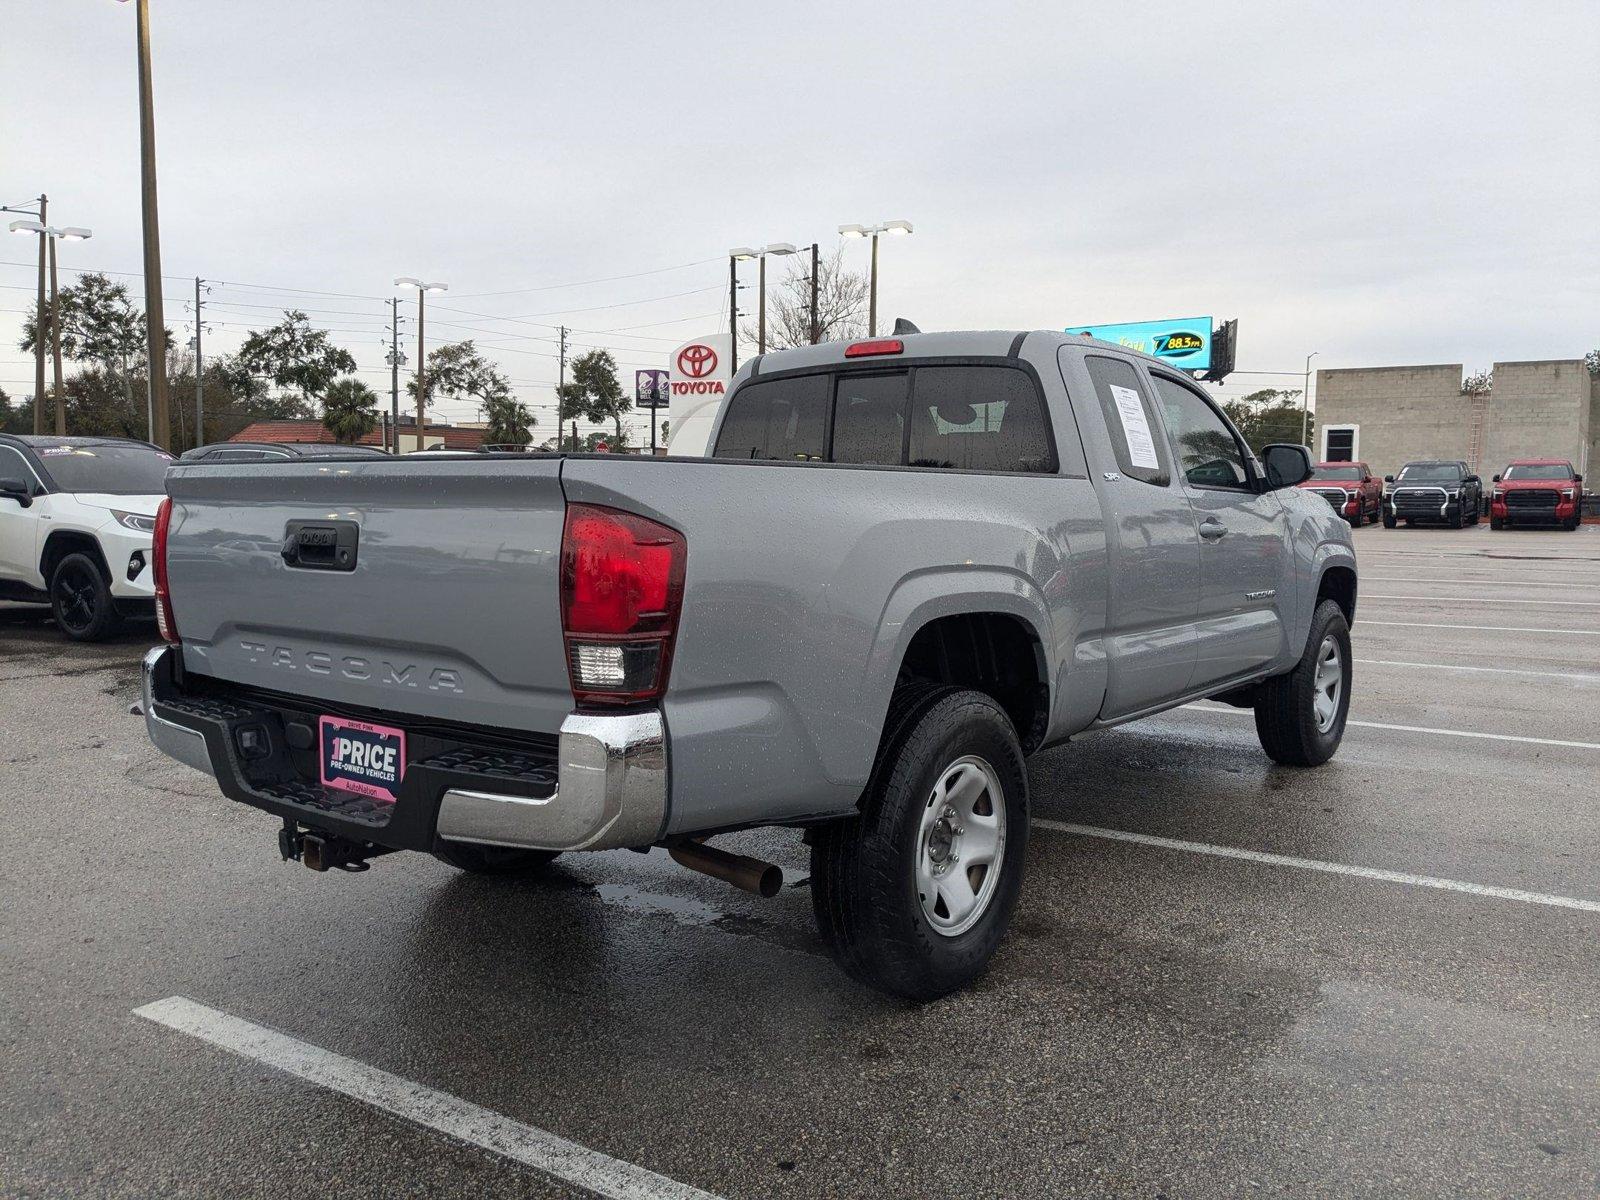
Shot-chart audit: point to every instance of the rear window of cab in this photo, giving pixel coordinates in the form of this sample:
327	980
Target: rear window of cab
939	417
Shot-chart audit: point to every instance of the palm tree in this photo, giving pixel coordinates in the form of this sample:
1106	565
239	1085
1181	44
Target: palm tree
349	410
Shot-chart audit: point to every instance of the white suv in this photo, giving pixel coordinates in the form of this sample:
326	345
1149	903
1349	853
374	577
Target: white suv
76	518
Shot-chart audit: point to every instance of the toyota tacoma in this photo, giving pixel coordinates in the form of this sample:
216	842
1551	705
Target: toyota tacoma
907	564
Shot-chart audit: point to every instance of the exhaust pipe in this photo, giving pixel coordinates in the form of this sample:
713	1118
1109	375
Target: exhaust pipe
748	874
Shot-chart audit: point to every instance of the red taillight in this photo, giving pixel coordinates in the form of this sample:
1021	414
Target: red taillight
165	622
621	590
876	346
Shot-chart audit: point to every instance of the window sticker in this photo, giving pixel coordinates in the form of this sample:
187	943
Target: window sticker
55	451
1135	428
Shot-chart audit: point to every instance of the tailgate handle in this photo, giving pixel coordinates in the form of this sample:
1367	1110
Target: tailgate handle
321	545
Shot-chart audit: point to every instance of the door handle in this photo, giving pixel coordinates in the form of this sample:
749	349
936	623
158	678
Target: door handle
1212	529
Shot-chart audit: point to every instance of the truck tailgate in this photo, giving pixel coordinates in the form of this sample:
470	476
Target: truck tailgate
450	608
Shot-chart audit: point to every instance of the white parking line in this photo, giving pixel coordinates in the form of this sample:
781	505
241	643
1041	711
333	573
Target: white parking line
1314	864
1486	600
1480	580
450	1115
1386	662
1481	628
1229	711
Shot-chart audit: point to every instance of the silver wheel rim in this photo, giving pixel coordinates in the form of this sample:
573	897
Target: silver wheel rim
1328	684
961	845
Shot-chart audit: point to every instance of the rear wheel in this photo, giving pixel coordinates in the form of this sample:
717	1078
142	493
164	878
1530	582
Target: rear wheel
914	895
1300	717
80	599
493	860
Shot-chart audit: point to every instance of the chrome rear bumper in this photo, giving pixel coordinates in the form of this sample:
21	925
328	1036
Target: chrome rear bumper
611	786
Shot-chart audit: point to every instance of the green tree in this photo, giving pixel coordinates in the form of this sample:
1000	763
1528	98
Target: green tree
1268	416
100	325
349	410
458	371
1592	361
296	357
572	403
510	422
603	398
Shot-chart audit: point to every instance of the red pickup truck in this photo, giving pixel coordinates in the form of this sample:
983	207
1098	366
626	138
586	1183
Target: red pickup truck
1536	491
1351	488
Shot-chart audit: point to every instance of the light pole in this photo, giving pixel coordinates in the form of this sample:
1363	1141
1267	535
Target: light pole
156	355
735	256
782	249
422	360
894	229
38	334
52	234
1305	400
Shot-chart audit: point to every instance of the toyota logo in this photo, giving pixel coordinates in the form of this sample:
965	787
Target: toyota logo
697	361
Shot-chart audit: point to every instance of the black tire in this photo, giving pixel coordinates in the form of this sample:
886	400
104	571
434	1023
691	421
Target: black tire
1286	718
1389	521
80	599
1496	524
1355	521
864	870
509	861
1459	519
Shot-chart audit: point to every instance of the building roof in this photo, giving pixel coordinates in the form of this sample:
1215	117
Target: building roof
454	437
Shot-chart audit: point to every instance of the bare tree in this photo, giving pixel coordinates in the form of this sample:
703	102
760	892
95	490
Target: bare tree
841	304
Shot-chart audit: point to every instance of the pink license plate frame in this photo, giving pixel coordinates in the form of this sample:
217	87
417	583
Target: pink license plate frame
360	757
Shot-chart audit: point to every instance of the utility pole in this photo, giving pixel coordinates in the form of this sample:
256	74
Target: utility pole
156	358
816	324
733	313
872	301
394	374
761	306
39	319
561	390
1305	399
199	371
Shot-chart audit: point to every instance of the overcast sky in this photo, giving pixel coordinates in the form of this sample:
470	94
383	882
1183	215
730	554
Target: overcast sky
1379	183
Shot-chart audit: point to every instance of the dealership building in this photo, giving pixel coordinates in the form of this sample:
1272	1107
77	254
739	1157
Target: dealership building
1385	416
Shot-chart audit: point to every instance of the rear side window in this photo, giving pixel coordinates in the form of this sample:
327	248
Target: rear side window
978	419
1130	420
869	419
778	419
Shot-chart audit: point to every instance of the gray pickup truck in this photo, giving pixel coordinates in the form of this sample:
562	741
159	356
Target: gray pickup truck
907	564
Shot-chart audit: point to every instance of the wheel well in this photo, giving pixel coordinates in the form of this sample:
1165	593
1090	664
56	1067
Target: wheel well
994	653
1339	585
58	545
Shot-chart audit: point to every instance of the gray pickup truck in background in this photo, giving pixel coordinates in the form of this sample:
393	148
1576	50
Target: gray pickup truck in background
907	564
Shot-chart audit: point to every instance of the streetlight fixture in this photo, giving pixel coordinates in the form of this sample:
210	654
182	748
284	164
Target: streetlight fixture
1305	399
782	249
52	234
422	361
893	229
38	341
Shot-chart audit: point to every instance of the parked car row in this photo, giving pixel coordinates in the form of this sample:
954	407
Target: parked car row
1531	491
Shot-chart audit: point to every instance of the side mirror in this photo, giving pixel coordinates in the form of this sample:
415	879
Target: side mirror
18	490
1472	479
1388	478
1286	464
1496	479
1575	478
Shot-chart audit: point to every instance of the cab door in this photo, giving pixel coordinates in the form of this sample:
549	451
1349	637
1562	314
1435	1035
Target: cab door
19	527
1246	562
1151	535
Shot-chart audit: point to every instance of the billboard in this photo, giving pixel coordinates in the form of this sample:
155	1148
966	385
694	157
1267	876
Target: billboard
1184	342
650	389
698	373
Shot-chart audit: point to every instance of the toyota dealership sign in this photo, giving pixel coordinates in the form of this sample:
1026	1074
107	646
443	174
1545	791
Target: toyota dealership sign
699	373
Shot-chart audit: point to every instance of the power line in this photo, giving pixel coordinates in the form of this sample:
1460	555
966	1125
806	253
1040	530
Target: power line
550	287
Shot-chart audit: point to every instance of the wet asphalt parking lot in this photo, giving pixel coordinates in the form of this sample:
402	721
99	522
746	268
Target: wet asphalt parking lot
1224	977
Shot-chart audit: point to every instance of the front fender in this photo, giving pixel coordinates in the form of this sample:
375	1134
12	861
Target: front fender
1320	539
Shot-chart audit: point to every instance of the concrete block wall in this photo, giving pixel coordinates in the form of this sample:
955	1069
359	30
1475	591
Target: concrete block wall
1537	410
1404	412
